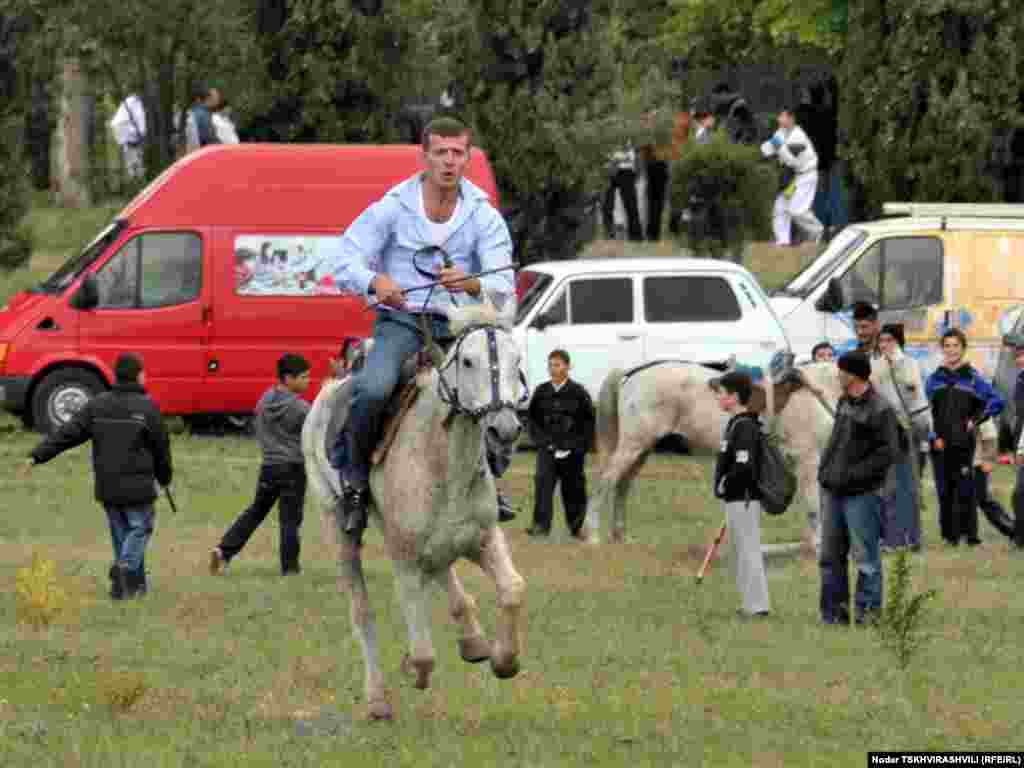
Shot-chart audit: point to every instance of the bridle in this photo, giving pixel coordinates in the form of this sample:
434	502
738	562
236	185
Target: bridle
450	396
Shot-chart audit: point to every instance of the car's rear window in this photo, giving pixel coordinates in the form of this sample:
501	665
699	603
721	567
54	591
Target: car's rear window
690	299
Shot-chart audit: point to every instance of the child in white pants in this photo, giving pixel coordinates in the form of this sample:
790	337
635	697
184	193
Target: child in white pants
736	485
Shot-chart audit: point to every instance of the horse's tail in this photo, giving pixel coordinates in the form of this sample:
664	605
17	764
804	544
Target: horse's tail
608	413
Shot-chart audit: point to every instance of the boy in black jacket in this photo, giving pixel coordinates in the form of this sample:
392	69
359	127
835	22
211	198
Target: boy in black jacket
961	401
736	476
130	454
280	415
561	418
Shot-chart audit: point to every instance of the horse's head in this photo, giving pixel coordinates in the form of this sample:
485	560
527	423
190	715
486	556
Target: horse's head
481	375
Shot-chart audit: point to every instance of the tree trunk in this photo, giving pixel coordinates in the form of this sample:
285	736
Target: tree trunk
70	152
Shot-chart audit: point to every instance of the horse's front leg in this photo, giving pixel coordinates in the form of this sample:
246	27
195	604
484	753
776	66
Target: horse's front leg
496	561
473	646
353	581
414	595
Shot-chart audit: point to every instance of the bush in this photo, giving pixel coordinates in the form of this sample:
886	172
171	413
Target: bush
729	190
40	597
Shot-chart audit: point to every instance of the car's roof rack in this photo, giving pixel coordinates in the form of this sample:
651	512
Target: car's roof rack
955	210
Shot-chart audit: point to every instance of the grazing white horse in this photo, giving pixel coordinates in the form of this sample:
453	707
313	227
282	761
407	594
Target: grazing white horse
675	398
433	498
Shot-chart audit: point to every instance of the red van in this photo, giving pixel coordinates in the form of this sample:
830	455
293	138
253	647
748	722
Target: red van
211	273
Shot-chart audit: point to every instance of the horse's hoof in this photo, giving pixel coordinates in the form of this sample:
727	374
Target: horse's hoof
421	669
381	710
474	649
618	536
503	670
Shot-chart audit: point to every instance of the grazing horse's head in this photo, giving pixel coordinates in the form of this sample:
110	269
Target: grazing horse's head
481	375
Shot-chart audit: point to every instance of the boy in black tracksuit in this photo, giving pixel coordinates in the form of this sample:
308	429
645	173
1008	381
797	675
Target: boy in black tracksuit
130	454
280	415
1016	343
961	400
561	418
736	484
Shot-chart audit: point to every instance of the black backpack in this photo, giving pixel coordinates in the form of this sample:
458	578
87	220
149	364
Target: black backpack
775	480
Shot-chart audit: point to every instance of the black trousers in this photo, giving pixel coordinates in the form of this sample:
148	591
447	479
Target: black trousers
954	483
657	185
625	182
285	485
1018	509
567	472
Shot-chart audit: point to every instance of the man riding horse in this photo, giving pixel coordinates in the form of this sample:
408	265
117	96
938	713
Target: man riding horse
437	212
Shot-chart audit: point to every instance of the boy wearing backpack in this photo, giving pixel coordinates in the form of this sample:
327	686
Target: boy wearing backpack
863	445
736	484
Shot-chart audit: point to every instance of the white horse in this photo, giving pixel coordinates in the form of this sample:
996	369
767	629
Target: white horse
433	498
675	398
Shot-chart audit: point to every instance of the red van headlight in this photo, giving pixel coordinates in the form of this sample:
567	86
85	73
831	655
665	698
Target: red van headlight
3	355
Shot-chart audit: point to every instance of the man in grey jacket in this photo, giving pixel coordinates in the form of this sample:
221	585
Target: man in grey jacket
280	414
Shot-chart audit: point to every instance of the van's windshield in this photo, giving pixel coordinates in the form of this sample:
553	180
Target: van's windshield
73	267
530	286
823	267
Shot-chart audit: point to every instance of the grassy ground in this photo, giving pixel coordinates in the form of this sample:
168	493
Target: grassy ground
626	661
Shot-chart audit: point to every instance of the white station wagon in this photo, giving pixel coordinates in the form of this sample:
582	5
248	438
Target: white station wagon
622	312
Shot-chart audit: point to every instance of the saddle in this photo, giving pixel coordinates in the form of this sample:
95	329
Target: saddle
410	382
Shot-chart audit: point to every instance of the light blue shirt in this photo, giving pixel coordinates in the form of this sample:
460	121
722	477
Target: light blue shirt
388	234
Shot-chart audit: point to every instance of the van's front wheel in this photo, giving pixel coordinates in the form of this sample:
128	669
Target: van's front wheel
59	396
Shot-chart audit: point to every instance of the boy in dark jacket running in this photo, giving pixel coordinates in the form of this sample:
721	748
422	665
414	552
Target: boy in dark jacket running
864	443
280	415
130	454
961	400
561	418
736	476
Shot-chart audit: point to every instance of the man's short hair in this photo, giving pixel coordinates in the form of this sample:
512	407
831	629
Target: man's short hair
820	346
449	128
955	333
737	383
127	368
200	90
864	310
561	354
291	365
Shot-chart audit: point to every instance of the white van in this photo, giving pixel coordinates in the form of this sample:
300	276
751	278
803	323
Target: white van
932	267
621	312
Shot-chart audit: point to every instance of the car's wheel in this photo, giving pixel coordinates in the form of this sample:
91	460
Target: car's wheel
59	396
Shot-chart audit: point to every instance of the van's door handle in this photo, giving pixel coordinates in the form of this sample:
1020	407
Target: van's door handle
628	336
207	315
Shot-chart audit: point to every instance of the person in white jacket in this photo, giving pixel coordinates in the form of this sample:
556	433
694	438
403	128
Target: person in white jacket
129	128
796	153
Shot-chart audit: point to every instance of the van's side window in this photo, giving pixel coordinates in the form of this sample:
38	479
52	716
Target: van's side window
689	299
557	312
913	272
862	282
897	273
157	269
608	300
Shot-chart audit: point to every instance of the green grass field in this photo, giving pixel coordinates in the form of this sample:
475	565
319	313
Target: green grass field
626	661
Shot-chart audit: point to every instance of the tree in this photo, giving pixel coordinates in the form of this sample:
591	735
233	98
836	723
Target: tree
928	89
542	92
15	244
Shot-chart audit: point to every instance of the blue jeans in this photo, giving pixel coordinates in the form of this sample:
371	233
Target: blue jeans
901	503
850	523
130	529
396	336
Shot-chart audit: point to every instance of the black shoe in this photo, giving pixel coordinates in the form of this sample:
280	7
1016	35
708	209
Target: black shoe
116	582
973	542
535	530
355	502
291	570
505	511
133	583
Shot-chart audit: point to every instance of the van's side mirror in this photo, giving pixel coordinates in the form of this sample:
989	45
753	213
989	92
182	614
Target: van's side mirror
542	321
832	299
88	296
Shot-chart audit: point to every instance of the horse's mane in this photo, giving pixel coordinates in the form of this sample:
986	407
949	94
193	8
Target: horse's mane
472	314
